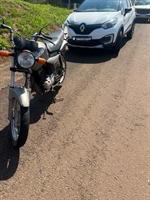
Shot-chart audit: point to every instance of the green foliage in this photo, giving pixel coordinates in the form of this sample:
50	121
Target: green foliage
59	3
27	18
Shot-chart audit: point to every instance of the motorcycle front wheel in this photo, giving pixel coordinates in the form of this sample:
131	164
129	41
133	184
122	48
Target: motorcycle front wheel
19	124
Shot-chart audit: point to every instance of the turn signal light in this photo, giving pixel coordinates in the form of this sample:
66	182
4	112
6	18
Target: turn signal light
5	53
41	60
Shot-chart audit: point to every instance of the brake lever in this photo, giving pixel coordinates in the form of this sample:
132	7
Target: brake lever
46	36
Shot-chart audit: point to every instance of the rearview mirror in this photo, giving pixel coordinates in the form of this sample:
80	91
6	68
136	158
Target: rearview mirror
127	10
1	20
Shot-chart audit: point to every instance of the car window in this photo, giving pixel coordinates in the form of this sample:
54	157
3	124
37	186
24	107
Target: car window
99	6
125	4
128	3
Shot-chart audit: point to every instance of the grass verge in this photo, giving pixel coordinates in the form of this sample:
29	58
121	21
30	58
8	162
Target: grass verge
27	18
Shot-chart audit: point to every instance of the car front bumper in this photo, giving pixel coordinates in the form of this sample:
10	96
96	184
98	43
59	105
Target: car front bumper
142	16
142	13
88	42
98	38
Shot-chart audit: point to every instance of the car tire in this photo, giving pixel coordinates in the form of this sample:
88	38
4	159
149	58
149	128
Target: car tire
131	32
116	48
71	48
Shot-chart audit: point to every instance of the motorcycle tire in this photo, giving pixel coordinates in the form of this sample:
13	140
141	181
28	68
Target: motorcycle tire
62	71
19	124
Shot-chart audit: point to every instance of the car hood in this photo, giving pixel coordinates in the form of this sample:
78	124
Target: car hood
142	6
91	17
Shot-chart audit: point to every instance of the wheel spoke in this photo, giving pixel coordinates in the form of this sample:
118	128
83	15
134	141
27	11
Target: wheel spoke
15	122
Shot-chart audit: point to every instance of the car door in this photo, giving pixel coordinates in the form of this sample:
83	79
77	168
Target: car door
127	16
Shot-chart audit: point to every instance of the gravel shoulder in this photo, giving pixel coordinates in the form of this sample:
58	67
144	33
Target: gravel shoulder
93	145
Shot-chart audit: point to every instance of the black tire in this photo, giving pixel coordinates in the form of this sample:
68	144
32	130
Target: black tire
72	49
116	48
62	73
131	32
19	124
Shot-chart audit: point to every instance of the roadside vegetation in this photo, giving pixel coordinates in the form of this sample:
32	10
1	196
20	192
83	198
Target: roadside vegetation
27	18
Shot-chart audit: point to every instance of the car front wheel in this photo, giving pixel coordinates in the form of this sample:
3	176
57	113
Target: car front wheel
116	48
131	32
71	48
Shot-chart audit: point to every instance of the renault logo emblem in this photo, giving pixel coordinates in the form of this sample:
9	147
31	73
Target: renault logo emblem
82	28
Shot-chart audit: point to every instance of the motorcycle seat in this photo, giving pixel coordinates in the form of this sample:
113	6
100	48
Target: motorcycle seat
22	43
55	43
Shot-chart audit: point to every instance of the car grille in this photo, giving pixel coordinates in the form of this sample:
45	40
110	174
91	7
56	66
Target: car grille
87	28
143	11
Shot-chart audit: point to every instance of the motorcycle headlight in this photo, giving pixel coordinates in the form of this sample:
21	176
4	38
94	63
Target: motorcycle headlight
109	24
25	59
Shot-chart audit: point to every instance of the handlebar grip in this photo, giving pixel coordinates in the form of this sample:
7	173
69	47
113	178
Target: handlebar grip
2	26
5	26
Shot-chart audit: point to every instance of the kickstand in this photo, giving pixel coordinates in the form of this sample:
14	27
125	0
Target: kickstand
53	97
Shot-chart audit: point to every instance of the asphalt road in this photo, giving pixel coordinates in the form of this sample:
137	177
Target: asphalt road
93	145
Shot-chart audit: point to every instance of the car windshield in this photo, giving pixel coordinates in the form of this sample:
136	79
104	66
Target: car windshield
99	6
142	2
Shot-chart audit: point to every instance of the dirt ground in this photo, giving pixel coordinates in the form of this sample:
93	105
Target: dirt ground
93	145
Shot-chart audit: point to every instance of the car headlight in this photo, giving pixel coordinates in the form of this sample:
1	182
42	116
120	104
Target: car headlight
66	23
109	24
25	59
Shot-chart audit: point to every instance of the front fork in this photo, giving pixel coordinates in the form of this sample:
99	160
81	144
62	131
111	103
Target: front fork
20	93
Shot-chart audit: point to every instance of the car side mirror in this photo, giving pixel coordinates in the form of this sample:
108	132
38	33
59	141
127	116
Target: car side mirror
127	10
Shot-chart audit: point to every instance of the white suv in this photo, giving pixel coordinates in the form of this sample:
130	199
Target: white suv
100	24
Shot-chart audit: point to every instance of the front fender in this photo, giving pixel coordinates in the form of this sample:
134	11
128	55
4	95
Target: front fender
21	94
63	46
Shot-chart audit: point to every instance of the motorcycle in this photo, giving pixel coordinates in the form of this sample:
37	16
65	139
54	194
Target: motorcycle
42	61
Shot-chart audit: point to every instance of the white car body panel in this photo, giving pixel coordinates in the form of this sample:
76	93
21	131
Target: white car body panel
97	17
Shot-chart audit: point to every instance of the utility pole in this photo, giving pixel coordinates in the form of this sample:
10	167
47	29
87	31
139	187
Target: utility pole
68	4
75	6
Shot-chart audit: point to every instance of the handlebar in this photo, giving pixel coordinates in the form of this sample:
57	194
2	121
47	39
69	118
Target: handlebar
46	36
5	26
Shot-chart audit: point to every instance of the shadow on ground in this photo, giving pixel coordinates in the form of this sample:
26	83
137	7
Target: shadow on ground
9	156
40	104
91	56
